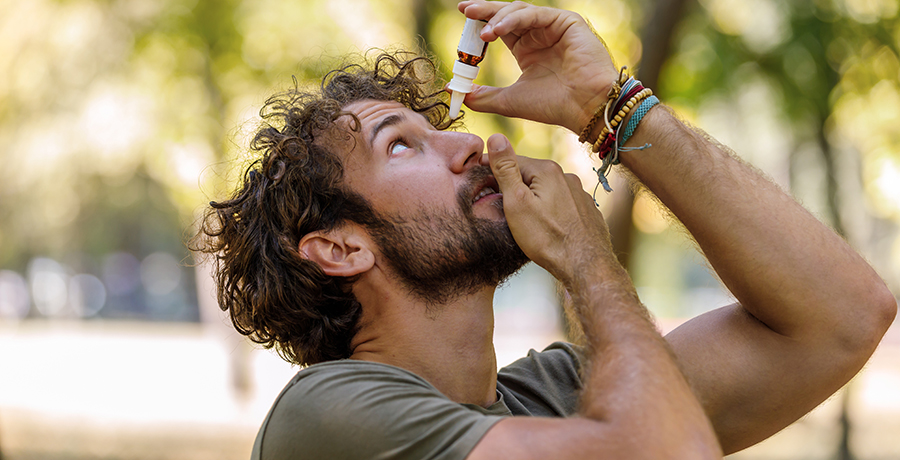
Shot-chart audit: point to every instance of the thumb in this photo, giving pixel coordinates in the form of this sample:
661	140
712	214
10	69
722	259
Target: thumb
505	166
487	99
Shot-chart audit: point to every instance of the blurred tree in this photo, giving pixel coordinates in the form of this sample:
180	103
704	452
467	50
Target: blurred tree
424	14
812	55
656	39
806	52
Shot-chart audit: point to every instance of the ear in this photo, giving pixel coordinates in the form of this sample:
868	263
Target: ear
341	252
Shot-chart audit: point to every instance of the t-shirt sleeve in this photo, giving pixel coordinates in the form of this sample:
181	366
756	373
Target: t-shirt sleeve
359	410
545	383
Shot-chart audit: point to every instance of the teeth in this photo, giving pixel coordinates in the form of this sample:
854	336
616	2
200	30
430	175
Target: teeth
484	192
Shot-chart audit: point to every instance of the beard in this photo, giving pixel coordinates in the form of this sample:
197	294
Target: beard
440	256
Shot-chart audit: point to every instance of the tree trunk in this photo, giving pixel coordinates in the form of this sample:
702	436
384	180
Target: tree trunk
844	451
422	24
656	39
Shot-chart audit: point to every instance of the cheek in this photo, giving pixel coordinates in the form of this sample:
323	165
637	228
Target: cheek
417	195
408	187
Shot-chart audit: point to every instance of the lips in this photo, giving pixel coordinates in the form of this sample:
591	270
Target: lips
488	187
484	192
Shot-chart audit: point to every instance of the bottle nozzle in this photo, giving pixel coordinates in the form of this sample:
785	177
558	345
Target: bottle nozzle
460	85
456	100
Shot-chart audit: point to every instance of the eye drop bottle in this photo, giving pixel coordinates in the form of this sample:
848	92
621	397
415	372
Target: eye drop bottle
470	51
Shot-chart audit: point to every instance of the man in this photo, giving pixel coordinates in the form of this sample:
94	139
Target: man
367	242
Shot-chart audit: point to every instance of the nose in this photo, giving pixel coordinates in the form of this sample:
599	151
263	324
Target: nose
462	150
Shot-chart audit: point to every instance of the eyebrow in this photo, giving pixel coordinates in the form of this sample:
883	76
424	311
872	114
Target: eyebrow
384	123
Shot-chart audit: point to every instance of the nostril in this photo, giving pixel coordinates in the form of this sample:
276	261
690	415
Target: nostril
466	150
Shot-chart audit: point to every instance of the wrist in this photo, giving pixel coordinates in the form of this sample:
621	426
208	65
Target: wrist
650	130
587	108
615	120
595	113
594	266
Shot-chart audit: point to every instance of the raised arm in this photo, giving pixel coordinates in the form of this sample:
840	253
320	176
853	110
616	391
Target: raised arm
811	310
636	403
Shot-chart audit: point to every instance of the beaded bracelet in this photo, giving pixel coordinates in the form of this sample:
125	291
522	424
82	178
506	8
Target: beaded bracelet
608	151
608	133
623	112
614	93
624	95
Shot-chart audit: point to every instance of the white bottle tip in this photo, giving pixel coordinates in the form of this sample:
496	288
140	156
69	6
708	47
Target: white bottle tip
456	100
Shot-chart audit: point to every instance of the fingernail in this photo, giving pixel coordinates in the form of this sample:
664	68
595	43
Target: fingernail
497	143
486	29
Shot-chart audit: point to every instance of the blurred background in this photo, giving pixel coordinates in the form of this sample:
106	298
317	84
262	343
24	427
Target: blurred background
120	119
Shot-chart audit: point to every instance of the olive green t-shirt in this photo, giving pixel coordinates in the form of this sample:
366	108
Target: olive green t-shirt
349	410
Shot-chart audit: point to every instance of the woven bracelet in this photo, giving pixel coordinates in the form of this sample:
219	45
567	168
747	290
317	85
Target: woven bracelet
639	113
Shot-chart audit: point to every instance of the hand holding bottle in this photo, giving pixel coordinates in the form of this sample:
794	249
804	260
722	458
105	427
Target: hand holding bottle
566	70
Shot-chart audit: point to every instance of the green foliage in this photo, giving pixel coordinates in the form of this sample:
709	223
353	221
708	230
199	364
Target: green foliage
818	49
156	100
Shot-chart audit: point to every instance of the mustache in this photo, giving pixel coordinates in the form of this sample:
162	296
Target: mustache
475	178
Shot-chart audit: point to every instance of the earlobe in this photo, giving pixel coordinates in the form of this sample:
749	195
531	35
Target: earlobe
339	252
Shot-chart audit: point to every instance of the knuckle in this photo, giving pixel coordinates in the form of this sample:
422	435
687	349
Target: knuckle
506	166
520	194
551	167
573	179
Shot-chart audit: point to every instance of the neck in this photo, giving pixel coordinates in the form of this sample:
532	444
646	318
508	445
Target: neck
449	345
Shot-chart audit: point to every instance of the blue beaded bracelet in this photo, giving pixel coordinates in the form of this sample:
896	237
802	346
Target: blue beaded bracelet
639	113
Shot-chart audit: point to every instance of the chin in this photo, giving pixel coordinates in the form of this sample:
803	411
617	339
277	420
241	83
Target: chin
492	210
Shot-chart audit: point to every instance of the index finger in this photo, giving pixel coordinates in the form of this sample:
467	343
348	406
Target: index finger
510	21
493	12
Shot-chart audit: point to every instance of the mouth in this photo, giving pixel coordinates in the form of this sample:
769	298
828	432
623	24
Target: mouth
487	188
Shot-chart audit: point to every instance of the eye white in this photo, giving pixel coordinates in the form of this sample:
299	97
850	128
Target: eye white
398	147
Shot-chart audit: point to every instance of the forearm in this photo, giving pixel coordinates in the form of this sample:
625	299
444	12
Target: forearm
786	268
811	310
632	380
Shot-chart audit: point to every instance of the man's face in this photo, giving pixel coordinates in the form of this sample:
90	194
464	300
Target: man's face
442	228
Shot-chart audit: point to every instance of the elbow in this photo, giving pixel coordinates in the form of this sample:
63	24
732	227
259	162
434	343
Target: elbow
848	340
884	310
873	316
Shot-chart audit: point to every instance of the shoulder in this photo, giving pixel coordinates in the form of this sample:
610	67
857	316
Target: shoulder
544	383
559	359
357	409
343	389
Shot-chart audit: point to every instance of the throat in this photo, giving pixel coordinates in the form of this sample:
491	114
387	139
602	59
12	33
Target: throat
451	348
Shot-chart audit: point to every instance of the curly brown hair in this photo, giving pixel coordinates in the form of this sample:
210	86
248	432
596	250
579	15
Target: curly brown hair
274	296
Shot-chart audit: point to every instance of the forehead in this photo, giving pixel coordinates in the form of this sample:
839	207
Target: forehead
374	116
370	110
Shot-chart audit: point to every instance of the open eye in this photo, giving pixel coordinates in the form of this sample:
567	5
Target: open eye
398	146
